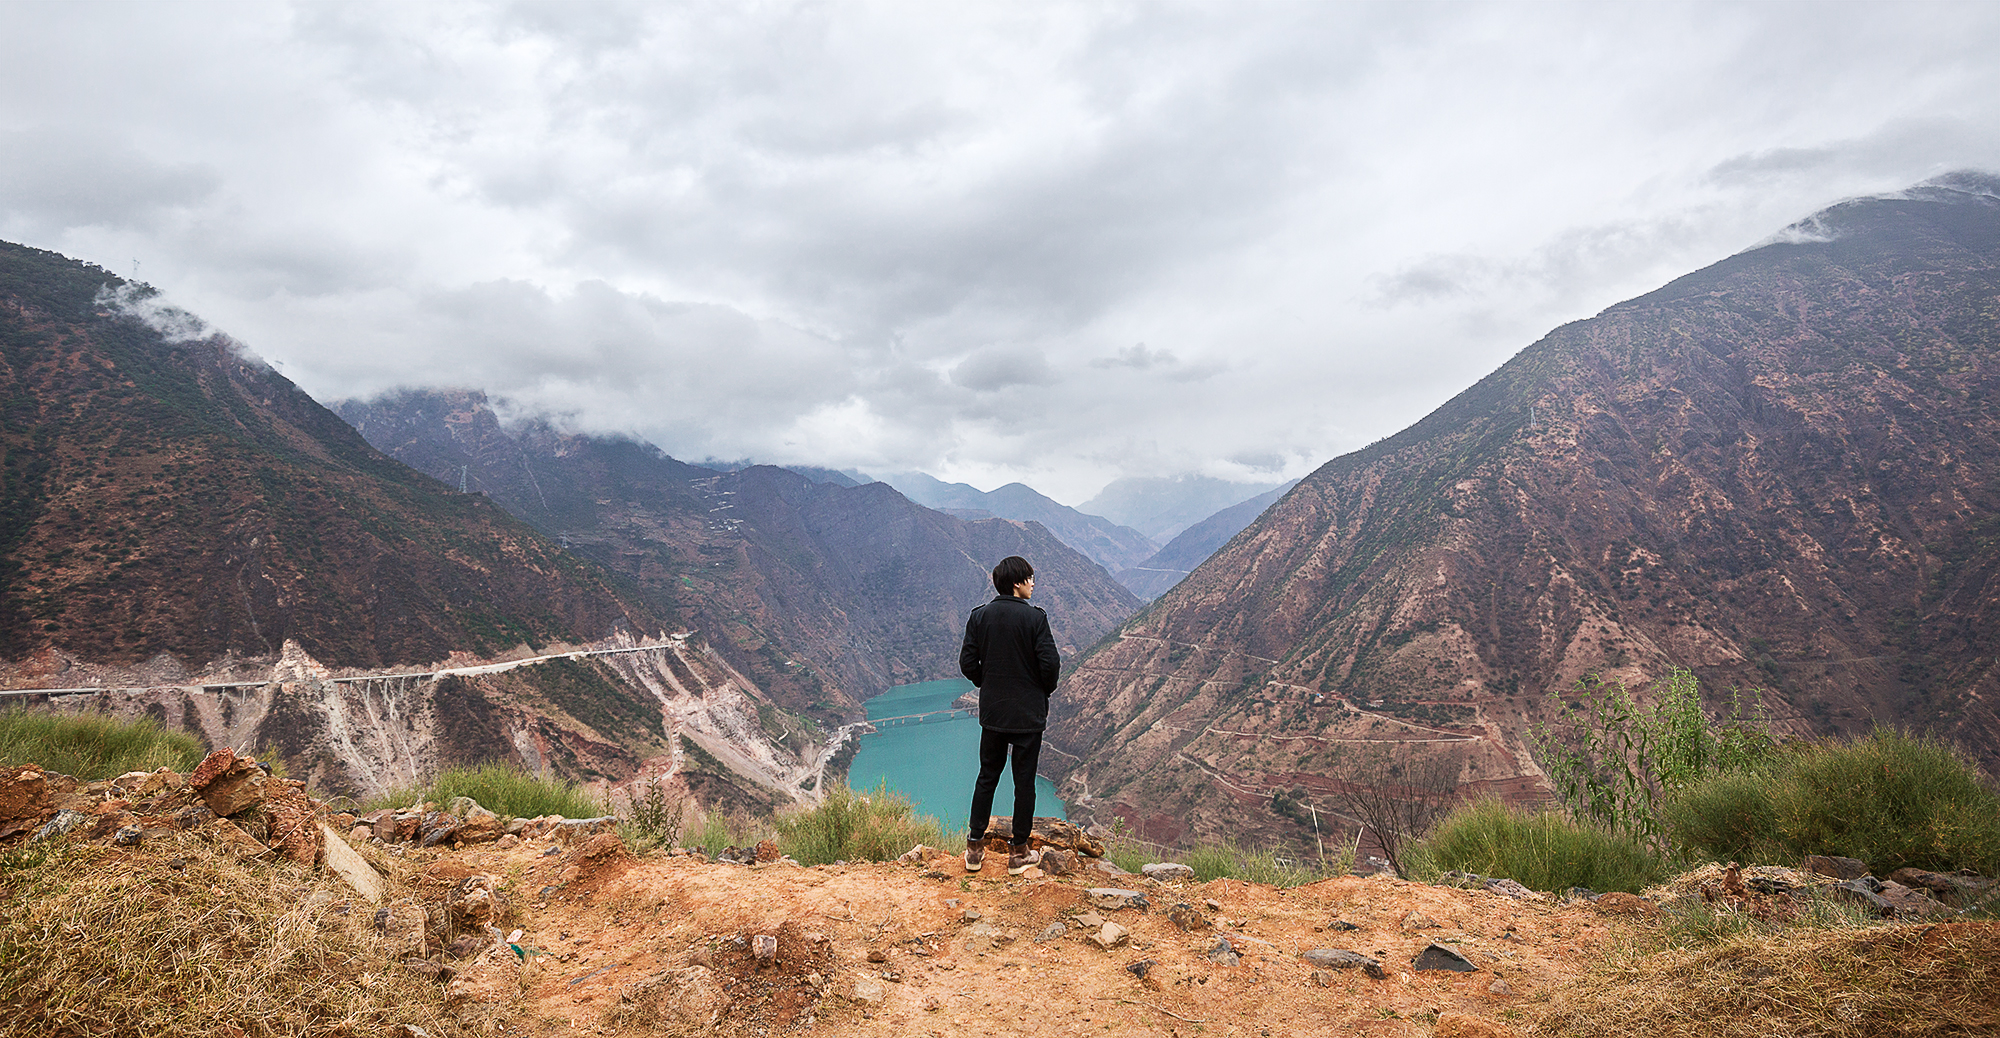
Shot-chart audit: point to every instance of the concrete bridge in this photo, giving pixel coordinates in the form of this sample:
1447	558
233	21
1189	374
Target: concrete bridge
927	717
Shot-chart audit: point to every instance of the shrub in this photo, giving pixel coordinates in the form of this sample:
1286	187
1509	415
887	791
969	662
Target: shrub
1725	817
1229	860
89	747
717	833
1541	850
1612	760
501	788
849	826
654	816
1226	859
1891	800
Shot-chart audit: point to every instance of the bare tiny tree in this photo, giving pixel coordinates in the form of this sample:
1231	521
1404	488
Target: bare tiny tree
1398	797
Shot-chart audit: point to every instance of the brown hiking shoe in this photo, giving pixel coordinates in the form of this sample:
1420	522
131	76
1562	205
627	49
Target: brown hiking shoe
1021	860
975	854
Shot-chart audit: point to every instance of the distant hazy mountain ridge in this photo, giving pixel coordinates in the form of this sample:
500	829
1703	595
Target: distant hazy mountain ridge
1194	545
1162	506
1104	542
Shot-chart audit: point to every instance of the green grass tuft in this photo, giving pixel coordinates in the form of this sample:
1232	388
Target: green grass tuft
1541	850
850	826
503	789
89	747
1891	800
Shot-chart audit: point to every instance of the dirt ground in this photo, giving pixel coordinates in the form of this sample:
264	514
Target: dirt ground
666	945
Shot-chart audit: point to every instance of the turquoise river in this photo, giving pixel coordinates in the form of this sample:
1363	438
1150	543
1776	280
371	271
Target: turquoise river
934	763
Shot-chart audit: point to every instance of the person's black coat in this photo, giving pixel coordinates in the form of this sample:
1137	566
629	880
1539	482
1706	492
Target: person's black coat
1010	654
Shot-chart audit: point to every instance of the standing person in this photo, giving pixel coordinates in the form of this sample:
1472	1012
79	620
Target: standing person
1010	654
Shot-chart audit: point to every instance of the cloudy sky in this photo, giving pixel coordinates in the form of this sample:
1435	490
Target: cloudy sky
1051	242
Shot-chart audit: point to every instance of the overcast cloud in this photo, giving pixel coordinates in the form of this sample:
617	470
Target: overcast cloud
1049	242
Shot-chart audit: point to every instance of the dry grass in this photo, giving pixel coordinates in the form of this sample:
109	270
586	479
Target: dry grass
1900	980
174	940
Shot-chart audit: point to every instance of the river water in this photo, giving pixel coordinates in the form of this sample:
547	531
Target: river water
935	764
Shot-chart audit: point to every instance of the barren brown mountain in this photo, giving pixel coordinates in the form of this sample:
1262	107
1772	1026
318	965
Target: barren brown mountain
181	524
179	497
1782	471
824	594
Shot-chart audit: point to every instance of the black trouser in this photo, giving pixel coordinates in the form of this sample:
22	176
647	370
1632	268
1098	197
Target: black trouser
992	756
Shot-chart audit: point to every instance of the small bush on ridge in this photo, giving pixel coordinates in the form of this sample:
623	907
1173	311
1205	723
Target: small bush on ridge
88	747
501	788
850	826
654	816
1726	818
1612	761
1891	800
1541	850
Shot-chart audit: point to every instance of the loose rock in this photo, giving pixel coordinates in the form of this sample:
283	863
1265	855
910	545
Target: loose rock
1167	872
1224	953
1835	866
1339	958
1439	957
1111	936
1187	917
1114	898
65	822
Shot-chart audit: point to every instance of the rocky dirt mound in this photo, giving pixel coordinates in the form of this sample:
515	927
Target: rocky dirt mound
553	927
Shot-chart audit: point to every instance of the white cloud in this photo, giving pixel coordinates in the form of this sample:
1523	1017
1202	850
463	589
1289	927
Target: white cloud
928	236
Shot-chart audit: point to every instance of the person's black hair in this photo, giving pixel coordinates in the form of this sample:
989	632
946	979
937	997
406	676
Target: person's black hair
1012	570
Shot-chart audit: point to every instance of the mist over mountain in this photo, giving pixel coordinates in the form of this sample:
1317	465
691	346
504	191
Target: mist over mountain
178	497
1162	506
1781	471
186	529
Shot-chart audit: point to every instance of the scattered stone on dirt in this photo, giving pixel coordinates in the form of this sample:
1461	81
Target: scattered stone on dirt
1167	872
1224	953
1337	958
1110	936
1439	957
1112	899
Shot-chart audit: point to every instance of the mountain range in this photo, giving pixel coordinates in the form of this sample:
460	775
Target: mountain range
1192	546
1781	471
829	593
186	529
